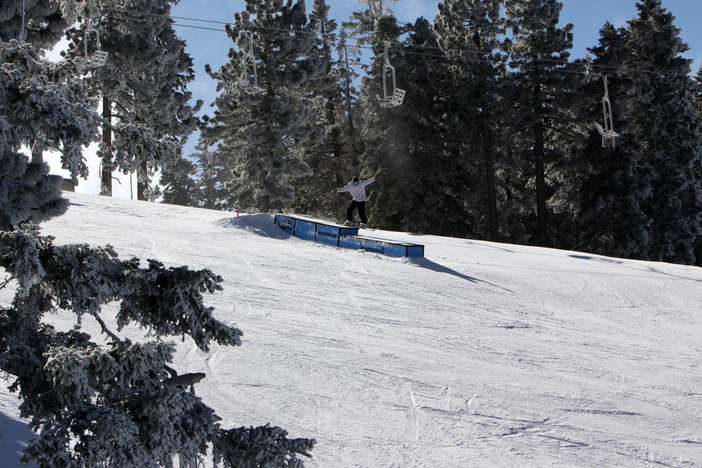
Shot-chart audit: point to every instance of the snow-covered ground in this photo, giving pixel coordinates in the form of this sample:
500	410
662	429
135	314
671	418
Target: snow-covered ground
480	354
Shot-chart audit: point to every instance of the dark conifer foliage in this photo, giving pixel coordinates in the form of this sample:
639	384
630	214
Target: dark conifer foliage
385	135
362	23
468	32
143	84
91	404
178	184
541	92
496	137
668	132
261	131
603	188
44	23
329	160
427	179
43	106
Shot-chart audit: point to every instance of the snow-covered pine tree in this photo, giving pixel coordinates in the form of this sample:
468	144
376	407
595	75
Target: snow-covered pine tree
98	405
426	183
326	158
602	189
42	106
668	131
117	404
468	32
361	24
261	131
538	51
43	23
143	84
178	184
212	175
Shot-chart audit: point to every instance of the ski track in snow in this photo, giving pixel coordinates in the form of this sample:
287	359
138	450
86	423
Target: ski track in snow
480	354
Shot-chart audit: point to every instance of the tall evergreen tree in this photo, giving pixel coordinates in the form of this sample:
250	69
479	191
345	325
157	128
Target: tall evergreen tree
468	32
603	188
179	186
212	176
261	132
42	106
444	180
538	52
143	84
386	146
325	157
698	93
668	130
349	120
361	24
416	164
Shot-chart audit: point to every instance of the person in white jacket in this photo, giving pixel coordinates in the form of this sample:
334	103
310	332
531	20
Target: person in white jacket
357	189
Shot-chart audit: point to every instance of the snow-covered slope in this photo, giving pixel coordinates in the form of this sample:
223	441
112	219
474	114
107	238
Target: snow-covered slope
479	354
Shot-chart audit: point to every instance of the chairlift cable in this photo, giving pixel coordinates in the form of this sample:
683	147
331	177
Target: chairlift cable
557	65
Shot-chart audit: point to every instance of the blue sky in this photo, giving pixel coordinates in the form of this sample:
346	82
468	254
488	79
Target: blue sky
208	44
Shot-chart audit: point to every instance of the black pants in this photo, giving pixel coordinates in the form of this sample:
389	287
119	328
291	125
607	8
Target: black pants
361	205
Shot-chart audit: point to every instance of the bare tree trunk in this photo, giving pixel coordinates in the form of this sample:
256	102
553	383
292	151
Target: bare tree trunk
106	175
37	155
141	186
492	190
540	183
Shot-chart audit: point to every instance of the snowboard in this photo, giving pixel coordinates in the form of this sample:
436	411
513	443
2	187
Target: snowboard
357	225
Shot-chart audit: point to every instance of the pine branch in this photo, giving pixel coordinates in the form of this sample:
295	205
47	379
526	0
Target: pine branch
106	330
185	379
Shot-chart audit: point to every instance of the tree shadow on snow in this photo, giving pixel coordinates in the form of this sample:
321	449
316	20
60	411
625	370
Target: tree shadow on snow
433	266
14	436
636	265
261	224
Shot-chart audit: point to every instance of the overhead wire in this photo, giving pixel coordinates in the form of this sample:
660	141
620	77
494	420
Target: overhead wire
550	64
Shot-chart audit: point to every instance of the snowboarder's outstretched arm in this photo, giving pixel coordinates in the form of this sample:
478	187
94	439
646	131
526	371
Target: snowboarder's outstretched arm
352	185
342	189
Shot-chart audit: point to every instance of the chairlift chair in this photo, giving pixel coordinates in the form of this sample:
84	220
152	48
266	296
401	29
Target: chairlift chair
249	82
99	57
608	134
396	96
21	32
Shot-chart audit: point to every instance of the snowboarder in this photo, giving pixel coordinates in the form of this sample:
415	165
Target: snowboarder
357	189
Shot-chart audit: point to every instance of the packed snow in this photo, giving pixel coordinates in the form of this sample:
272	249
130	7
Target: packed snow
480	354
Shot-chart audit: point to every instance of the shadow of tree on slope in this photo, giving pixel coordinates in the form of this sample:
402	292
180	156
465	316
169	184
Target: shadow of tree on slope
14	436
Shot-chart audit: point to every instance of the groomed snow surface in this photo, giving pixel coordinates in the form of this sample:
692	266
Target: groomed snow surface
478	355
